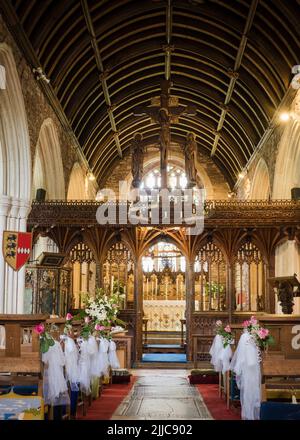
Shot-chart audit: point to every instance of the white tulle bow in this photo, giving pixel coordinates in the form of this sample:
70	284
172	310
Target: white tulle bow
112	355
245	364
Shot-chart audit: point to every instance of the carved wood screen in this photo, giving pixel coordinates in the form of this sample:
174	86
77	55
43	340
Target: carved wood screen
249	279
210	279
83	272
118	268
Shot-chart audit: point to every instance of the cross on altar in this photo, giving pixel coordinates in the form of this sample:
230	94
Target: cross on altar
165	110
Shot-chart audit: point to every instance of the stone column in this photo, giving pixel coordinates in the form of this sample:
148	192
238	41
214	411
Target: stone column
11	275
23	213
190	303
5	206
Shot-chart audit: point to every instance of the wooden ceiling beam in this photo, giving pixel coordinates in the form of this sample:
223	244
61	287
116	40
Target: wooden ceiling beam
234	74
102	72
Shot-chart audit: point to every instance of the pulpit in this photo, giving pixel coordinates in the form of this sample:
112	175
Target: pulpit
285	287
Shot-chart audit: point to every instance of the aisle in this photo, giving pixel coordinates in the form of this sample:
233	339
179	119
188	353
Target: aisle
162	395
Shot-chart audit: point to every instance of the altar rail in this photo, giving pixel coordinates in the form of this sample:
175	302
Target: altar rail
216	212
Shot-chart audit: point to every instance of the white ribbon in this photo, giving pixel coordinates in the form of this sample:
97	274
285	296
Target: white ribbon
103	356
245	364
84	366
71	355
216	352
93	352
54	383
112	355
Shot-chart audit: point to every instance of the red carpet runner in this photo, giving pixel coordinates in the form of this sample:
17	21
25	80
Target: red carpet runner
216	405
111	397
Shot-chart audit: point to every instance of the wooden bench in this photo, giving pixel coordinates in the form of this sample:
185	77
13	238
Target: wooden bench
280	377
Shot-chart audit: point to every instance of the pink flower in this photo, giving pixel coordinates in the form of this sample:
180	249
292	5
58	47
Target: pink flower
99	327
218	323
227	329
253	320
246	324
39	329
69	317
86	319
115	306
263	333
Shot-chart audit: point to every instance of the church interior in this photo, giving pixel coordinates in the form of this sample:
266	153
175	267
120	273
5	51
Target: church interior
124	124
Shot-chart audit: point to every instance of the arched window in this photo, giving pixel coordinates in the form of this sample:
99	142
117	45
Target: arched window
176	178
118	270
210	279
250	278
83	273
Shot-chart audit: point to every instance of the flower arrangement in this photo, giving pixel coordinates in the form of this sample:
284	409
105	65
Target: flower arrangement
46	340
100	313
68	325
225	332
260	335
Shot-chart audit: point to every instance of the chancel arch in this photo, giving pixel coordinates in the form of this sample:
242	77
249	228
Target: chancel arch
48	167
15	176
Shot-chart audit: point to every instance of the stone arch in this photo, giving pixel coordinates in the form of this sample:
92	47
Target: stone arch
287	169
260	188
15	177
79	186
48	167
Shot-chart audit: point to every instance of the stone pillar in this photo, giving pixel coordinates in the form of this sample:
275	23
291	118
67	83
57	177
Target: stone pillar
190	303
5	206
138	304
10	274
23	213
14	281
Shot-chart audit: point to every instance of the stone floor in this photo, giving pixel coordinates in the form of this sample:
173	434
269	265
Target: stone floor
162	395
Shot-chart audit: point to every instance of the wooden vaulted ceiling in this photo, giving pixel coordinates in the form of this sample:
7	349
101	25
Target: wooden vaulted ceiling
232	59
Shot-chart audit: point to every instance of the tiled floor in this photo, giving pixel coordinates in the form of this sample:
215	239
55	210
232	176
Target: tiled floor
162	395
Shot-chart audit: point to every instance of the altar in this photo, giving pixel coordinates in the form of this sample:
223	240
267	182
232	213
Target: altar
164	315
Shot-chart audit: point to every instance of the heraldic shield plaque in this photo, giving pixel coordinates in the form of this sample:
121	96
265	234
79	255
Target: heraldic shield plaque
16	248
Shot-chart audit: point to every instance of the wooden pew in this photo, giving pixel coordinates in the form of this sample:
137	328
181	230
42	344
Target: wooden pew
280	377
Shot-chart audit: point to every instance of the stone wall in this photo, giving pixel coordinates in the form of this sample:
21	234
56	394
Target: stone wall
37	107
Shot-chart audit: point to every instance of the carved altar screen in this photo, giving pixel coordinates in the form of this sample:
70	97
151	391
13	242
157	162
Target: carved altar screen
210	279
164	287
118	269
250	279
83	272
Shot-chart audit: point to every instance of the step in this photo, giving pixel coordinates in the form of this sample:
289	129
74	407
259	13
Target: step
164	365
163	348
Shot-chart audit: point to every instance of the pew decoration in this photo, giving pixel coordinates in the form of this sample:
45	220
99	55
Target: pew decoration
220	350
55	387
246	366
46	340
260	335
